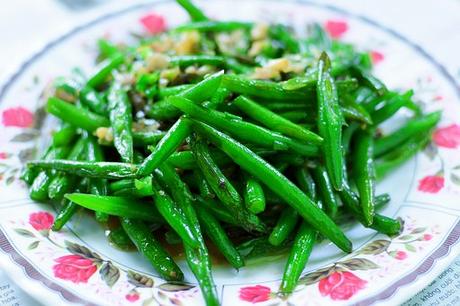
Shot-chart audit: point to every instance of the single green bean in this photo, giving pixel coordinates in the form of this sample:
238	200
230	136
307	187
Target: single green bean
148	246
254	198
108	170
93	100
117	206
214	26
194	12
120	114
364	173
284	227
64	136
219	237
326	190
330	121
104	70
78	117
68	209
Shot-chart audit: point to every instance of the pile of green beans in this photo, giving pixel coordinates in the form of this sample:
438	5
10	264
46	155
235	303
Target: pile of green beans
282	159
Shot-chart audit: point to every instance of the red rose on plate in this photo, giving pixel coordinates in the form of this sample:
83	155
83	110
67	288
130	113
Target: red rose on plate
376	57
74	268
400	255
427	237
132	297
336	28
255	294
447	137
3	155
41	220
153	23
431	183
341	285
17	116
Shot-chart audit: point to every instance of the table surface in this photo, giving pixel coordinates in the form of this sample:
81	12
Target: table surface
432	24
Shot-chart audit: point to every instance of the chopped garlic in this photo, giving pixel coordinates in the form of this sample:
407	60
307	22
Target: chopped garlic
188	43
257	47
229	42
259	31
275	67
162	45
157	61
104	135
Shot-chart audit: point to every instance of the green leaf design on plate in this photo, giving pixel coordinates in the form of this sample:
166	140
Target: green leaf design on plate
25	136
315	276
139	280
406	237
24	232
174	287
410	247
33	245
455	179
375	247
82	251
418	230
358	264
109	273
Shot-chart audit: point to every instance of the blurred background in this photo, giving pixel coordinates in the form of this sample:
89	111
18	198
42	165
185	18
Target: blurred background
26	25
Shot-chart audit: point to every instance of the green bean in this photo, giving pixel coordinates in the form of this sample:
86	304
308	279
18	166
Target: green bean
214	26
284	107
97	186
105	170
148	246
78	117
104	70
217	210
381	224
260	247
119	108
276	182
68	209
188	60
264	89
274	121
195	13
173	90
39	188
223	189
390	161
120	239
28	175
220	239
326	190
284	227
64	136
244	130
181	129
347	136
203	186
295	116
364	173
63	182
330	121
106	48
369	80
174	216
306	182
298	257
409	130
356	112
254	198
280	32
390	108
162	110
93	100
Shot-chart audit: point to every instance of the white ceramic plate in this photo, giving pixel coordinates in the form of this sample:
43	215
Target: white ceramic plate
77	264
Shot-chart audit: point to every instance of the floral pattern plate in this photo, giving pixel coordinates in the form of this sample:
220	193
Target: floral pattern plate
77	265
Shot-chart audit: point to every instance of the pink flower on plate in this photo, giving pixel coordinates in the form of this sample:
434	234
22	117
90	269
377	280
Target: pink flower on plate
153	23
341	285
376	57
41	220
3	155
17	116
336	28
400	255
132	296
431	183
447	137
255	294
74	268
427	237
